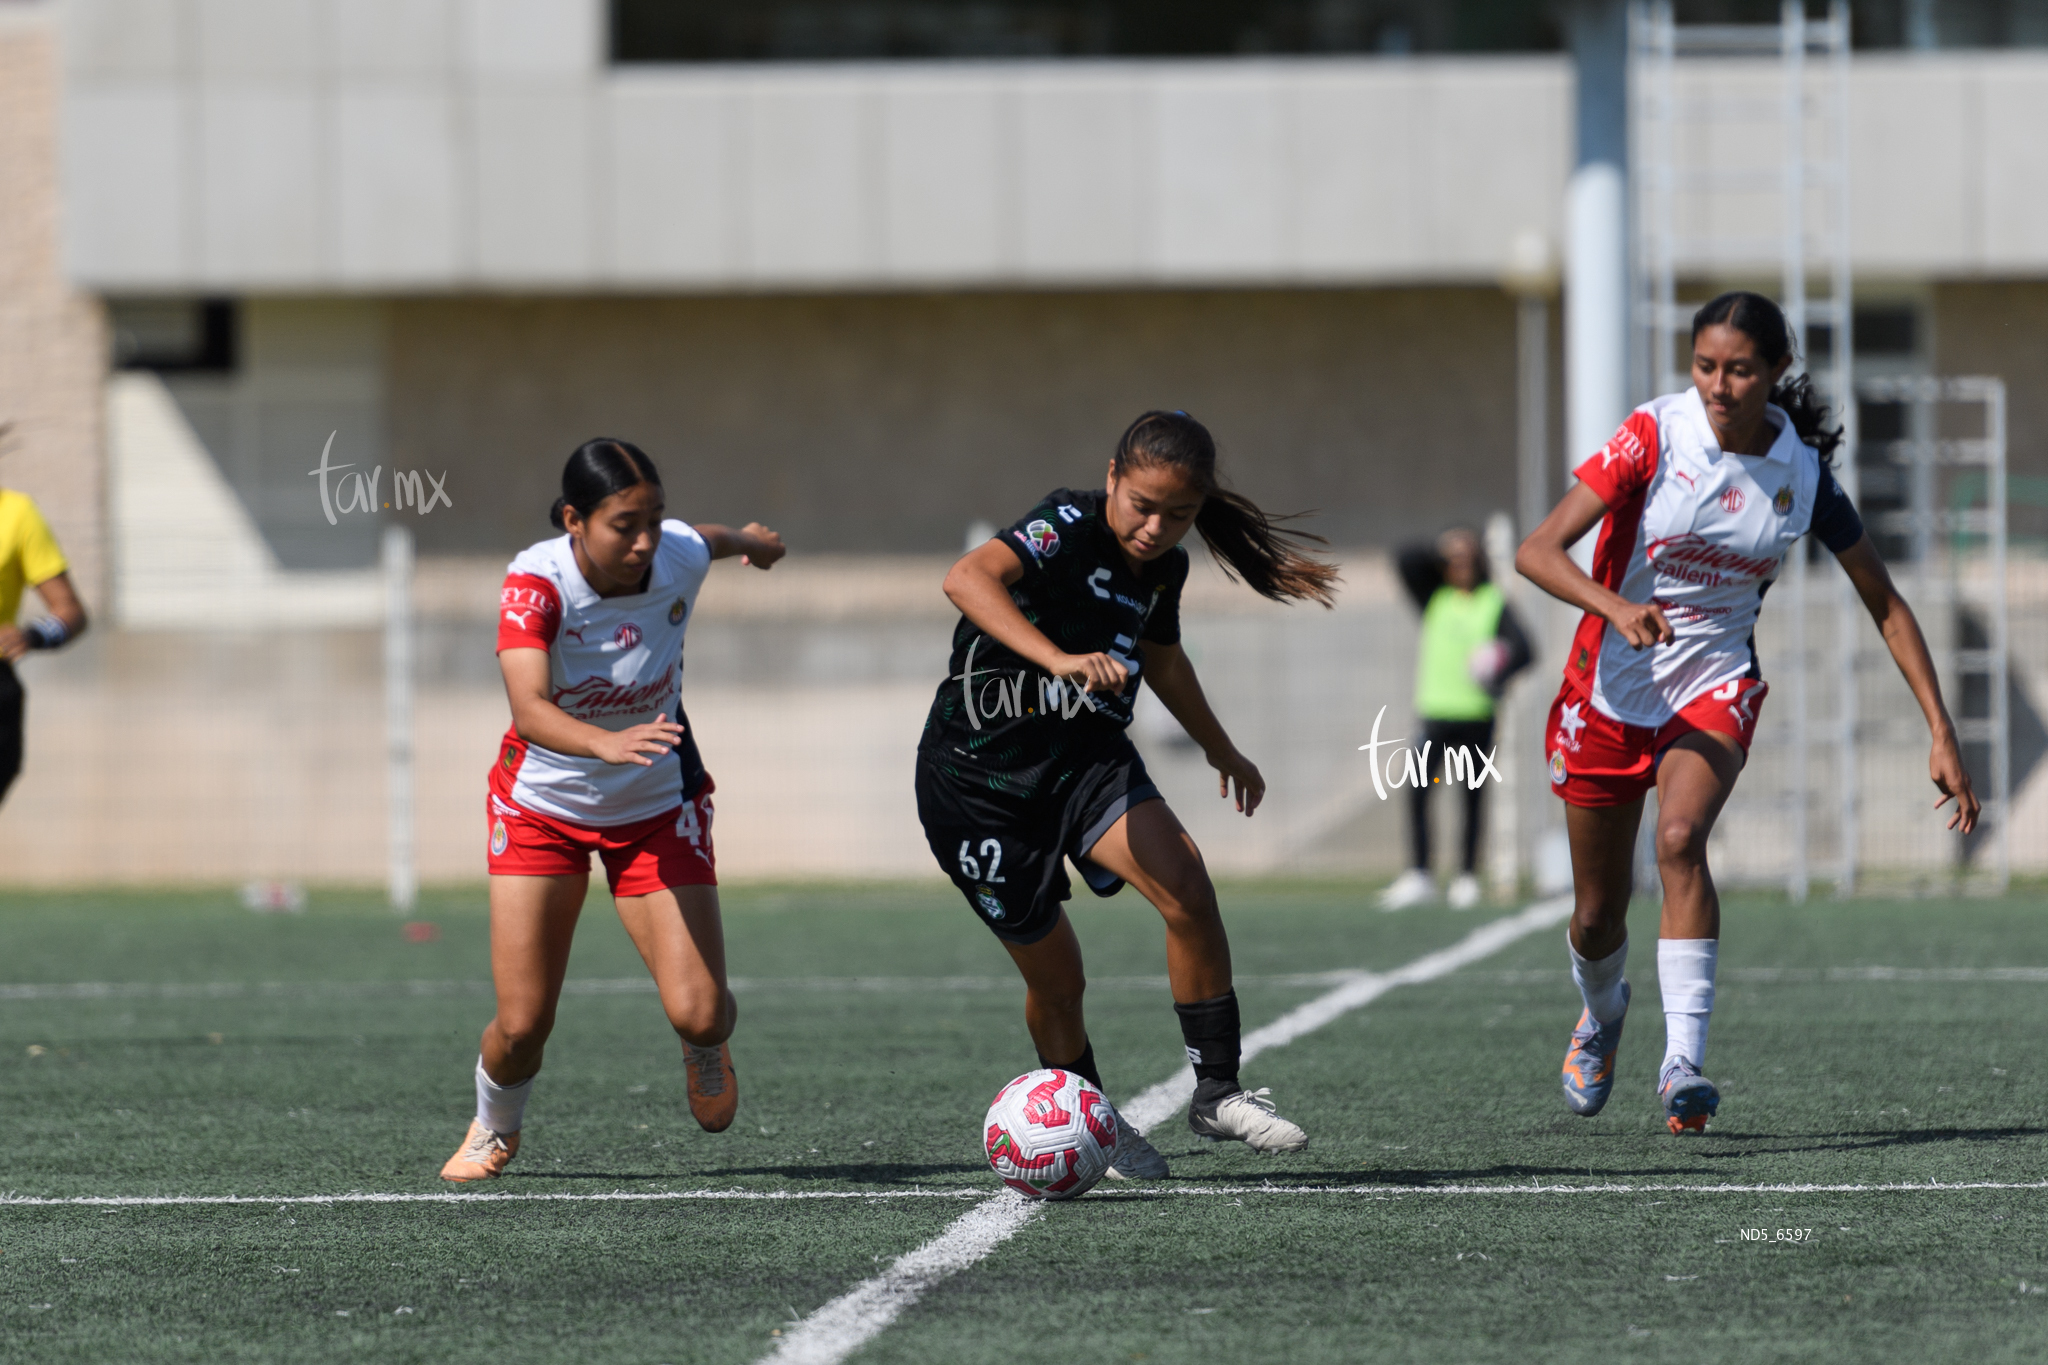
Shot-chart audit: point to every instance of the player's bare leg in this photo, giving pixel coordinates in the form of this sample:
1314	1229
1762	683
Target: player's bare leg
1149	849
533	921
1603	841
1693	783
682	940
1054	983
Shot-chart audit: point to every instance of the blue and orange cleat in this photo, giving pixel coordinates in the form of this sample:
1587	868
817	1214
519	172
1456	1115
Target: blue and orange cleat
1589	1063
1690	1099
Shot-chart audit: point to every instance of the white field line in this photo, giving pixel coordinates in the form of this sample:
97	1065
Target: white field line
639	985
1771	975
150	1201
1403	1191
1166	1098
624	985
981	1196
844	1325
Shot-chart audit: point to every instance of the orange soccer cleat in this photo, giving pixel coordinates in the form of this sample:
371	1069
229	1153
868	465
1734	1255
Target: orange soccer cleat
483	1155
1690	1099
714	1089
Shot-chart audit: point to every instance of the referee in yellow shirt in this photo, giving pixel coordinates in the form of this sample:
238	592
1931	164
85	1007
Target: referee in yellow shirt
29	558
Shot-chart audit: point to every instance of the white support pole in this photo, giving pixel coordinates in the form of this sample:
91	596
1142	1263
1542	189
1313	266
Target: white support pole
1504	826
1595	314
402	874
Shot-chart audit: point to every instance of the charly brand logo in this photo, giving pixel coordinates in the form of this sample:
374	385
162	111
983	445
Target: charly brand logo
1409	767
358	492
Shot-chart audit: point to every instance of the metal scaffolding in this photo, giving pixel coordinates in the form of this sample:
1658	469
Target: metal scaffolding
1943	500
1733	126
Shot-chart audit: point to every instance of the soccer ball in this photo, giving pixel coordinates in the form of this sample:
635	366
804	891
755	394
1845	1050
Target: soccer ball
1050	1135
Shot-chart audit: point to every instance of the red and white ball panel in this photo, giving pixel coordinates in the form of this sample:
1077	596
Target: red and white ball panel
1050	1134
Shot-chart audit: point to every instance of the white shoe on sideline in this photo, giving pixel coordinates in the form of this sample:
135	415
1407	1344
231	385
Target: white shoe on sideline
1136	1159
1412	887
1464	892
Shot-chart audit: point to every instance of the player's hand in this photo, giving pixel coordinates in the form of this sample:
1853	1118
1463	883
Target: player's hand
767	547
1642	623
13	644
1945	767
1104	674
1235	767
641	744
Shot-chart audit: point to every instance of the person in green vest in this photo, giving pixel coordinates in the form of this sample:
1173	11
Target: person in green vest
1471	645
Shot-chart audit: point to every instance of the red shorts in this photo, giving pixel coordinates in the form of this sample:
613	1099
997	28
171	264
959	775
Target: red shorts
1598	761
668	851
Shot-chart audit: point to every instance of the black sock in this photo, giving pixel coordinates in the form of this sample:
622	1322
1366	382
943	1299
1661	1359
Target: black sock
1082	1066
1210	1029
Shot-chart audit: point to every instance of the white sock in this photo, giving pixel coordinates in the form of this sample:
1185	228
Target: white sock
1600	981
1685	971
500	1108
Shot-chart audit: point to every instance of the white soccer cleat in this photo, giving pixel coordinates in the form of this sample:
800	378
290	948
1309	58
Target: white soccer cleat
1246	1116
1464	892
1412	887
1136	1159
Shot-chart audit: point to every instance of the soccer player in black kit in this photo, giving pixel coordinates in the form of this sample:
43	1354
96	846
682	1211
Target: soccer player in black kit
1024	761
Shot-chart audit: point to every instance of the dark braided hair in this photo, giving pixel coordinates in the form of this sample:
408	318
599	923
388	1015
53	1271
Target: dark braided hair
1247	542
1763	322
597	470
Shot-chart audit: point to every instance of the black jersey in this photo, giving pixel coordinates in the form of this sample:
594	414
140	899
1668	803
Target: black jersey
1003	722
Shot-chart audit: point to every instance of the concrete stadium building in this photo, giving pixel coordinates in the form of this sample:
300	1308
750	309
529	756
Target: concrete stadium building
870	302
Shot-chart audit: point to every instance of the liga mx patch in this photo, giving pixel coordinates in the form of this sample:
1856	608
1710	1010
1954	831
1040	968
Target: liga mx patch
1043	539
499	839
1557	773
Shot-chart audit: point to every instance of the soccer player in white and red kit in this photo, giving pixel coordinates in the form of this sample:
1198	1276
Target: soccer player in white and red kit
599	760
1699	498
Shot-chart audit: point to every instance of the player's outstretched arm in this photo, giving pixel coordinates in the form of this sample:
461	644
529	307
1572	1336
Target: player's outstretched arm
979	584
754	543
1545	560
1901	632
538	720
1172	675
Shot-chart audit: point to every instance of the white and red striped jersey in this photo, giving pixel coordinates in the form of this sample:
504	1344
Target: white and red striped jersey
615	662
1701	534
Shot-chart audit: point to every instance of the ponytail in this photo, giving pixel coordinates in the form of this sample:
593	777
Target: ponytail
1763	322
1248	543
597	470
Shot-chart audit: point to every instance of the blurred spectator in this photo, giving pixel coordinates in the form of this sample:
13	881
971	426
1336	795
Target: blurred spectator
29	557
1471	645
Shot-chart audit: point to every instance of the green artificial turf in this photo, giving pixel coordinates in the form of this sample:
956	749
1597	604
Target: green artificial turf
328	1053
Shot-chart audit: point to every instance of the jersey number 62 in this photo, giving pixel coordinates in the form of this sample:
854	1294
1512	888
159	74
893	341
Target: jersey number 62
992	850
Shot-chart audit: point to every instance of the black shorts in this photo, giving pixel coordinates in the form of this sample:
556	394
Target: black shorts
1006	853
10	726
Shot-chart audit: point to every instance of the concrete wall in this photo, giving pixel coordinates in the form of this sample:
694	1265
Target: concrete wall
313	145
438	144
51	337
885	424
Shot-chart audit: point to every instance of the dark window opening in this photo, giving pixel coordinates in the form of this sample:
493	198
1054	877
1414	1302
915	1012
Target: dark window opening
872	30
884	30
173	334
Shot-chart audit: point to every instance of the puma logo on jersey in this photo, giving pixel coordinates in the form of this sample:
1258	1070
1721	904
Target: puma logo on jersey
1624	447
520	619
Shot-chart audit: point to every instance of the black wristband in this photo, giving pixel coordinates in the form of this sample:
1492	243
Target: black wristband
48	633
